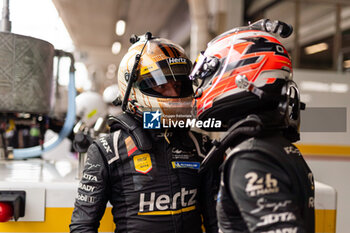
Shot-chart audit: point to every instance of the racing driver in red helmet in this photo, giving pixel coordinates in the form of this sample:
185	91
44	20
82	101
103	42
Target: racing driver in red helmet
245	78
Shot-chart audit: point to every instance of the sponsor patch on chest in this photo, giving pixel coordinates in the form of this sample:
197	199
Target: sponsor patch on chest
185	164
163	204
181	154
143	163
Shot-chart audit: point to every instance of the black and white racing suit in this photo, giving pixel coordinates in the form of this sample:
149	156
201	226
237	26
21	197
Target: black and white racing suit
151	191
266	186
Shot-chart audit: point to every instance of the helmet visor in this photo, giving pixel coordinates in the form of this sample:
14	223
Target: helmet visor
169	72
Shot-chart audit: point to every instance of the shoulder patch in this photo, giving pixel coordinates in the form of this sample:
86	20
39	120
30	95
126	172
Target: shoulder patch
291	150
115	145
130	145
105	145
143	163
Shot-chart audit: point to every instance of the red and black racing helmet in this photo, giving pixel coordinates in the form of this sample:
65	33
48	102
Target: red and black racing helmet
246	71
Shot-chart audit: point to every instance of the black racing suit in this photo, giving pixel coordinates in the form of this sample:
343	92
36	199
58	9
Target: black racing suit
266	186
153	191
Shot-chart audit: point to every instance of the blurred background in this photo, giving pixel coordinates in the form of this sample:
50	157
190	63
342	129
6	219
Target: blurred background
98	32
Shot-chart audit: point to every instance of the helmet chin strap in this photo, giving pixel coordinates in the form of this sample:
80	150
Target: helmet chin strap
132	76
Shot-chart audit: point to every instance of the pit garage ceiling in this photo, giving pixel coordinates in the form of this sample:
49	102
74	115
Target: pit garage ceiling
91	24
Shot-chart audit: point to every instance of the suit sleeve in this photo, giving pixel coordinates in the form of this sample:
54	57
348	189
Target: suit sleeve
208	192
209	187
92	194
263	193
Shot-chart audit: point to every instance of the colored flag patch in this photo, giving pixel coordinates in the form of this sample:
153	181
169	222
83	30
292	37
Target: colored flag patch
130	145
183	164
147	69
142	163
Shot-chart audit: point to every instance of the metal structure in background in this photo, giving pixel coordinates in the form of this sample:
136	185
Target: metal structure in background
68	122
26	86
26	80
26	67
